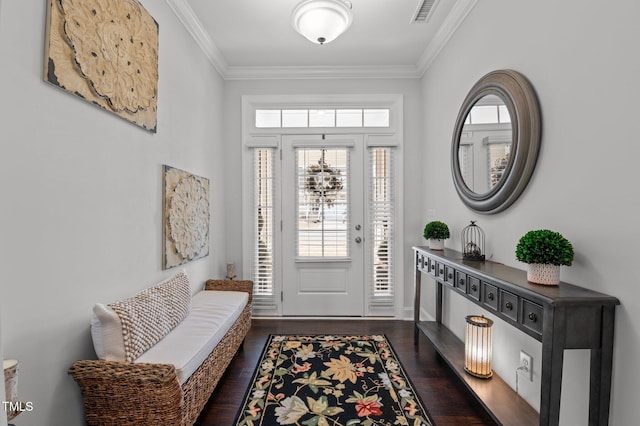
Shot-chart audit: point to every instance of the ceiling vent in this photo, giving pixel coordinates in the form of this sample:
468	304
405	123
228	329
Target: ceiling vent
424	11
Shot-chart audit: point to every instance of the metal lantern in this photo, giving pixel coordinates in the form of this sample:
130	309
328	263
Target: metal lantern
473	242
478	347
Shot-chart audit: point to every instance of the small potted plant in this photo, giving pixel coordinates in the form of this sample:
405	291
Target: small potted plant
436	232
545	251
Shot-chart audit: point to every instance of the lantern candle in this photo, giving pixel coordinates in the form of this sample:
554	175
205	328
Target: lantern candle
478	346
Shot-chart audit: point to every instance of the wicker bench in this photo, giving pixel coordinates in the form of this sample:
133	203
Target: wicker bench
138	394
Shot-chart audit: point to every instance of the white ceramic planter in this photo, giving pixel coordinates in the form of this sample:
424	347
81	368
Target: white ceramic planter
544	273
435	244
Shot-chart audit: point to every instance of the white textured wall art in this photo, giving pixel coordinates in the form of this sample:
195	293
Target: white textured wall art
186	217
105	51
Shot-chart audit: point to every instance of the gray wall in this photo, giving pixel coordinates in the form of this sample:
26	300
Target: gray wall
3	418
581	58
81	207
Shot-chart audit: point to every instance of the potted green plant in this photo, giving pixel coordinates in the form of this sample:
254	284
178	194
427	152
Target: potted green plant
436	232
544	251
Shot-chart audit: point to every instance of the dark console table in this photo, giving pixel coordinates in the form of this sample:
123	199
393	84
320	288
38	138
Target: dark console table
561	317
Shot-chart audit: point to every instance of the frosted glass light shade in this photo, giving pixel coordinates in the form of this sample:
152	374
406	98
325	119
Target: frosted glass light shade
322	21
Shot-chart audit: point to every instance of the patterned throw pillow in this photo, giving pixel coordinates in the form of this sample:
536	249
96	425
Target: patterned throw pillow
151	314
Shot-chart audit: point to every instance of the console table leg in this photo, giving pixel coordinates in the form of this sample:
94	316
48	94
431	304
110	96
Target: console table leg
439	302
417	279
601	369
553	341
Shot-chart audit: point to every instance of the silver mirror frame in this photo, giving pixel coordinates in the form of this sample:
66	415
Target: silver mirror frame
521	101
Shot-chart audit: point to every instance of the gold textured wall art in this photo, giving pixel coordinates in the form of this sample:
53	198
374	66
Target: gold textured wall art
105	51
186	217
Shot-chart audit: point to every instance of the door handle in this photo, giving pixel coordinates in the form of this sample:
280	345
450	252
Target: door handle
358	227
358	240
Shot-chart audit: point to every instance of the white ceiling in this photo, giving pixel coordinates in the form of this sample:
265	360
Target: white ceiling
255	39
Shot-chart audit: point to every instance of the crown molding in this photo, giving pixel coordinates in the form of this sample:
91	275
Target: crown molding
450	25
320	72
185	14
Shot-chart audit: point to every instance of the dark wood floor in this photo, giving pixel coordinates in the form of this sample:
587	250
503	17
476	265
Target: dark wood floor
446	399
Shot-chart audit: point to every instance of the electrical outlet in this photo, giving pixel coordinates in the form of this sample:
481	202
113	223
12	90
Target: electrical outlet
526	365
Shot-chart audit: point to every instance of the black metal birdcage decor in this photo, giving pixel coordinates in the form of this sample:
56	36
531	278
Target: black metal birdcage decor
473	242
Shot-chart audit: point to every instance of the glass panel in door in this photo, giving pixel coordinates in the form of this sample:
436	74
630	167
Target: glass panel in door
323	194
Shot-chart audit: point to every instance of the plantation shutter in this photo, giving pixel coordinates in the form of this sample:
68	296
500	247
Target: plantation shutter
498	153
263	209
465	156
382	231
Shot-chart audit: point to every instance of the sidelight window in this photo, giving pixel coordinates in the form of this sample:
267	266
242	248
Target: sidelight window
382	219
263	232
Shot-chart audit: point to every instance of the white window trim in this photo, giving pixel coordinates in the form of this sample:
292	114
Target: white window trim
253	137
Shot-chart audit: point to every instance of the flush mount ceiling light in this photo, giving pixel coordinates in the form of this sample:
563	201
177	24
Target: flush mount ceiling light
322	21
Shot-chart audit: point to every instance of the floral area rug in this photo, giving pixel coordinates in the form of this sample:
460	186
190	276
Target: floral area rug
330	380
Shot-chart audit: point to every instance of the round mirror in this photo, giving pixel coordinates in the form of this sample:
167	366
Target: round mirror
496	141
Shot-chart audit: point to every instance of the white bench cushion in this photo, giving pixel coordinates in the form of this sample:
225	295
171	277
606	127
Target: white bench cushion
190	343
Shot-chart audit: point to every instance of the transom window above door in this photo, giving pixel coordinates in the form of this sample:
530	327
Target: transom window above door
310	118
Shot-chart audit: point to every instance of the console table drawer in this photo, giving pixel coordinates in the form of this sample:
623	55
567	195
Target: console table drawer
490	296
509	305
431	266
440	270
473	287
532	316
461	281
449	275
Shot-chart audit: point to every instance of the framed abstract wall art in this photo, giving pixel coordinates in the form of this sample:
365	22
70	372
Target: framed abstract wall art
106	52
185	216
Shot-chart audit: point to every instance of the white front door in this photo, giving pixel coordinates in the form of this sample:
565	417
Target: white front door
322	225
